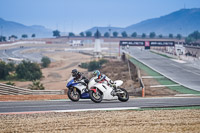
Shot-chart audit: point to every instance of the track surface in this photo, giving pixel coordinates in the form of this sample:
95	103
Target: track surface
181	73
28	106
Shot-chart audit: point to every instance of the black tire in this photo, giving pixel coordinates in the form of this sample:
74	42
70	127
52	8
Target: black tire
73	97
96	97
123	97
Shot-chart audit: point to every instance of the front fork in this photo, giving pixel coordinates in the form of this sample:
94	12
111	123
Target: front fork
74	90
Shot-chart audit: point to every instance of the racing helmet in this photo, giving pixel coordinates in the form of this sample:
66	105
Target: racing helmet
96	73
74	72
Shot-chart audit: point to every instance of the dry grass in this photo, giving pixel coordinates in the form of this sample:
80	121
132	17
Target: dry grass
178	121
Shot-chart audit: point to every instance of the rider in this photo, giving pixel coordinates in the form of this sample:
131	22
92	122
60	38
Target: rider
102	77
78	76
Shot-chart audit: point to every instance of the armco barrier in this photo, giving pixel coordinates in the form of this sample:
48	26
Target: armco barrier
13	90
139	77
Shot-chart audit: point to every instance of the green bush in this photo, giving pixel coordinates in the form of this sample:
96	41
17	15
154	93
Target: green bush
28	71
45	61
10	83
36	85
3	70
93	65
84	65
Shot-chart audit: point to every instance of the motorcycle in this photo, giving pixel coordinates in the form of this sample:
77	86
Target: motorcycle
100	91
77	89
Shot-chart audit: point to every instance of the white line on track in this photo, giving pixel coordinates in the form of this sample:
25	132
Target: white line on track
98	109
76	110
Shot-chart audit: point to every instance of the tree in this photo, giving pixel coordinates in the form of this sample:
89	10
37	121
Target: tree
124	34
106	34
88	33
33	35
71	34
45	61
134	34
12	37
193	37
82	34
11	67
152	35
56	33
115	34
170	35
3	70
24	36
179	36
2	38
36	85
143	35
160	36
97	34
28	71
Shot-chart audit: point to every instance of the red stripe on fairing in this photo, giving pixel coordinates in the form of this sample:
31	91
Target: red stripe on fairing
32	112
94	90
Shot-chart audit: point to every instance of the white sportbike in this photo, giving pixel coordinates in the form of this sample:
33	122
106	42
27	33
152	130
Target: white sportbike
100	91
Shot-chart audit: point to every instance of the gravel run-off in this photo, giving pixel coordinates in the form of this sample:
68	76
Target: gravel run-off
151	121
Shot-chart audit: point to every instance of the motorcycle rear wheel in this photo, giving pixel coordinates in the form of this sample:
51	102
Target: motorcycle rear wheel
123	97
73	94
96	97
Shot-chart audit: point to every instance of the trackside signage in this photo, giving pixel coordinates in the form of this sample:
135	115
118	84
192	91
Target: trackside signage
132	43
161	43
147	43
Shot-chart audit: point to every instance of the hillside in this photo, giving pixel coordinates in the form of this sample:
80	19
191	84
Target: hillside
105	29
12	28
184	21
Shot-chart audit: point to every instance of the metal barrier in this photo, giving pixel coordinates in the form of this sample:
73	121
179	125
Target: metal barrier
13	90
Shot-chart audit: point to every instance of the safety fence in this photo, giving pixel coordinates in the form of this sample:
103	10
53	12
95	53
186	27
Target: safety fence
13	90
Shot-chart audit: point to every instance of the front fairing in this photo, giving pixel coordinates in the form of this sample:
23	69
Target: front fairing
71	83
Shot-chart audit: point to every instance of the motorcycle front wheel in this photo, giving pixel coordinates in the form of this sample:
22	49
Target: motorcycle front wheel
123	97
96	96
73	94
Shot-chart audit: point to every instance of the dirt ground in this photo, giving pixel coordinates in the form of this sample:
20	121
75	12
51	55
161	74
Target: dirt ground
118	70
57	74
151	121
31	97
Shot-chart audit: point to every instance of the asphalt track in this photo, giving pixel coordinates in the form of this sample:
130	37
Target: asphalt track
67	105
181	73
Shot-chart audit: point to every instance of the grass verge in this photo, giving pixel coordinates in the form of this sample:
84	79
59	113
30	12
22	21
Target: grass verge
162	55
162	81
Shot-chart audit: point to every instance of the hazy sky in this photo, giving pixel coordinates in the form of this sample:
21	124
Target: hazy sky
80	15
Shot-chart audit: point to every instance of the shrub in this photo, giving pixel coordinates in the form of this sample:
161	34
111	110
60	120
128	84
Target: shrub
93	65
36	85
3	70
28	71
10	83
84	65
45	61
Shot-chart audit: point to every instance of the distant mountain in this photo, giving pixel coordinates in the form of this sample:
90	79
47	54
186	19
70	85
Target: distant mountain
9	28
184	21
102	30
